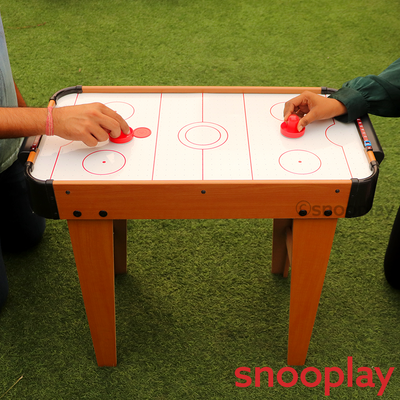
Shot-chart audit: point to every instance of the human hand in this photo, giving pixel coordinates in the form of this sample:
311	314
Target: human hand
89	123
312	107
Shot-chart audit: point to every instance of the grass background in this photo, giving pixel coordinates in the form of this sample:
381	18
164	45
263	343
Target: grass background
199	300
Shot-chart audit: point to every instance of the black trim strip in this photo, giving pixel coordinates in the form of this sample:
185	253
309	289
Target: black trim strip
362	193
64	92
326	90
41	195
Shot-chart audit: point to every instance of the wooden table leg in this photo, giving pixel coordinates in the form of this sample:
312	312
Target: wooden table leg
92	242
280	261
120	244
312	243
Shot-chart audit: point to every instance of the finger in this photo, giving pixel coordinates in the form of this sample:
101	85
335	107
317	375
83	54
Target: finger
97	133
288	110
89	140
110	126
307	119
115	129
296	105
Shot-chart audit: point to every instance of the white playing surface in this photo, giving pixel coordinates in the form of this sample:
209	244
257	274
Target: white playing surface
205	136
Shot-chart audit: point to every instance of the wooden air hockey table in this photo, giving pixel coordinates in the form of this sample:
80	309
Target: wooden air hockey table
204	152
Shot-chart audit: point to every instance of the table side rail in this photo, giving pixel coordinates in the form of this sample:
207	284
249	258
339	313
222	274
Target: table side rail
201	199
202	89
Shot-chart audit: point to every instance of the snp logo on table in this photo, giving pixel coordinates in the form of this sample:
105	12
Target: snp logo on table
311	377
304	208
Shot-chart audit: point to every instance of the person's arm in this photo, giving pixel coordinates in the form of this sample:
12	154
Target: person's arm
378	95
89	123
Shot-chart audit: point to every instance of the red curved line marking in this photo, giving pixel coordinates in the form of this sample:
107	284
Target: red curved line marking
123	102
108	173
300	173
203	124
344	153
270	111
203	144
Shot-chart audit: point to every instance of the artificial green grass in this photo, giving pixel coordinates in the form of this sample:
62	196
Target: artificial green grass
199	300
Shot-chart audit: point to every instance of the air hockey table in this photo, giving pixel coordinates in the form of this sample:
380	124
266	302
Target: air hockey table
204	152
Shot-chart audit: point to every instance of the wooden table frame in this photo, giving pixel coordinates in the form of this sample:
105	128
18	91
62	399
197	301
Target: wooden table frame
98	226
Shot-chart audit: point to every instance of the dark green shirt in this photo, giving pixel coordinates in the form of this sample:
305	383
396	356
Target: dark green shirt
372	94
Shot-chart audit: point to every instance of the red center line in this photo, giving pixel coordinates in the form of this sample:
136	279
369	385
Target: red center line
202	164
155	146
202	107
202	151
248	137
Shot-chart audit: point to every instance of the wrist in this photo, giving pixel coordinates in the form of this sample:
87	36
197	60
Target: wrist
340	108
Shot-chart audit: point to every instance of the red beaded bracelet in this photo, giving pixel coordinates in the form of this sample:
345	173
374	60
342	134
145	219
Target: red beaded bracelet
49	122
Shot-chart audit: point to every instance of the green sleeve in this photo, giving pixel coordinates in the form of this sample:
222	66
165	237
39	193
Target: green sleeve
372	94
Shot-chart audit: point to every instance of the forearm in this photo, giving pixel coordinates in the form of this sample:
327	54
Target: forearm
378	95
22	122
89	123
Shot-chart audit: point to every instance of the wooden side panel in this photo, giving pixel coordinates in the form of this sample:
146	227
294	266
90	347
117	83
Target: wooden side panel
208	199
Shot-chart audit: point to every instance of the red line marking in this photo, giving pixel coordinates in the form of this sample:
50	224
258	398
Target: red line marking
299	173
122	102
182	135
270	111
203	144
344	153
202	107
248	138
202	151
107	173
155	146
58	155
59	150
202	165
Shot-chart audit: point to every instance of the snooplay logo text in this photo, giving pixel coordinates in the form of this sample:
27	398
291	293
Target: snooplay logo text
333	377
304	208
